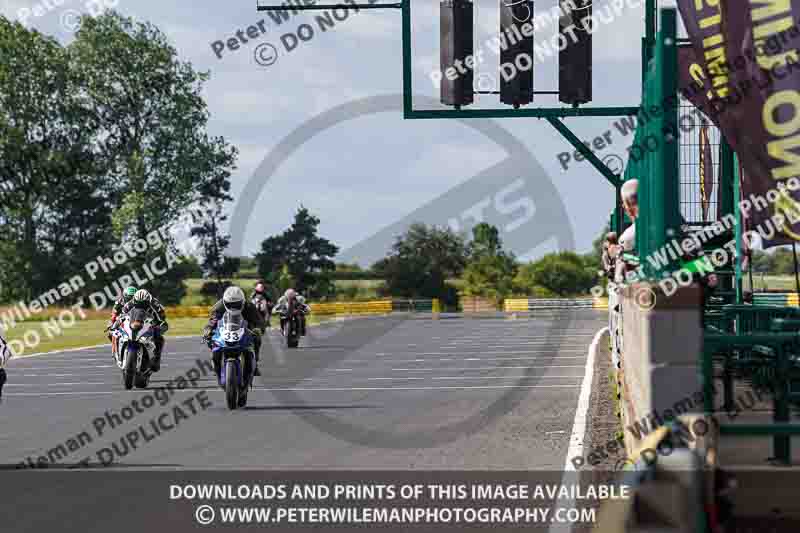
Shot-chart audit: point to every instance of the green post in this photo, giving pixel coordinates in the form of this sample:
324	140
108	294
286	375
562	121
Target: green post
738	229
408	103
650	29
726	198
659	206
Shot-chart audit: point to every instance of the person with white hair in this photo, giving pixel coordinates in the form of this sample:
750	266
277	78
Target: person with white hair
629	194
630	203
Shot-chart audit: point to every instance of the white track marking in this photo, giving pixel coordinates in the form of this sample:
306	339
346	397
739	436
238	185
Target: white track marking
579	425
506	377
57	384
454	387
500	352
482	368
310	389
578	431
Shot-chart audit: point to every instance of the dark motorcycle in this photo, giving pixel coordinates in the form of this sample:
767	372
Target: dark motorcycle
291	324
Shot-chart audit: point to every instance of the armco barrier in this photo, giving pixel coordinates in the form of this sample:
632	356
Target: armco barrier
374	307
782	299
415	305
532	304
188	311
352	308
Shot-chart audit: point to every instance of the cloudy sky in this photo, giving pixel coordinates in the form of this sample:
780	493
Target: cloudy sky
368	173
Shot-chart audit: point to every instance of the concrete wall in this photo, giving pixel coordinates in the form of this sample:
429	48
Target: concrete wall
656	344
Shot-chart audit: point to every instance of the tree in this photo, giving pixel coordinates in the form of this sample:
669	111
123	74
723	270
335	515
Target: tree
101	142
285	279
159	159
421	261
150	107
307	257
490	271
562	273
485	241
214	243
52	206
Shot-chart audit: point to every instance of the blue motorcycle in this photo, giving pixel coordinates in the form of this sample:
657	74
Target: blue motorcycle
232	346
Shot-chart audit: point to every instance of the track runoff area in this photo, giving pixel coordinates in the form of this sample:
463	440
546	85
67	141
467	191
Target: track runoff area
396	393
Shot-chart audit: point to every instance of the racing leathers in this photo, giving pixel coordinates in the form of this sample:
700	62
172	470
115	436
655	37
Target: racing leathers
255	323
282	305
263	303
157	312
116	311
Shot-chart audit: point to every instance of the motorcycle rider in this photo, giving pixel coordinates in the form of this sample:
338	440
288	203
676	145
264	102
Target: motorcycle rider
142	299
262	300
116	310
233	300
282	306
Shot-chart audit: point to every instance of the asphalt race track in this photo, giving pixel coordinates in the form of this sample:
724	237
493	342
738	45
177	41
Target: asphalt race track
396	392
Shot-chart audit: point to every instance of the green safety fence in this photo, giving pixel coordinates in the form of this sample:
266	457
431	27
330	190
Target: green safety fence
653	157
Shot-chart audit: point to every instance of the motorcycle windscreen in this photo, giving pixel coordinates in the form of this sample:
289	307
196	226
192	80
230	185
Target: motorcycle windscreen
233	325
137	315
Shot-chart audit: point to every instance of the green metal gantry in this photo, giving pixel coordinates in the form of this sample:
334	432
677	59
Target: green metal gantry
552	114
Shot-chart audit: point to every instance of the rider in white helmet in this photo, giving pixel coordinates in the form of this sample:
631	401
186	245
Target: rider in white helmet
283	304
233	300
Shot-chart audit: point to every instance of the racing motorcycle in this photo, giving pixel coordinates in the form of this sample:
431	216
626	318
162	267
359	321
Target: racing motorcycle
134	346
232	345
291	324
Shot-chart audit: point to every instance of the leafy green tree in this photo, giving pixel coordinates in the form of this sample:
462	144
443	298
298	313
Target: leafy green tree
159	158
214	242
169	288
490	271
285	279
561	273
307	256
485	241
421	261
150	107
101	142
594	259
52	206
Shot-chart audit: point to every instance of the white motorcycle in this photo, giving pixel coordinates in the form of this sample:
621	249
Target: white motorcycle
135	346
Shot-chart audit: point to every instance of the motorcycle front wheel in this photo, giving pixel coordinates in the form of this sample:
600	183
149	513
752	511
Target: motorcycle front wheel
231	385
129	371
